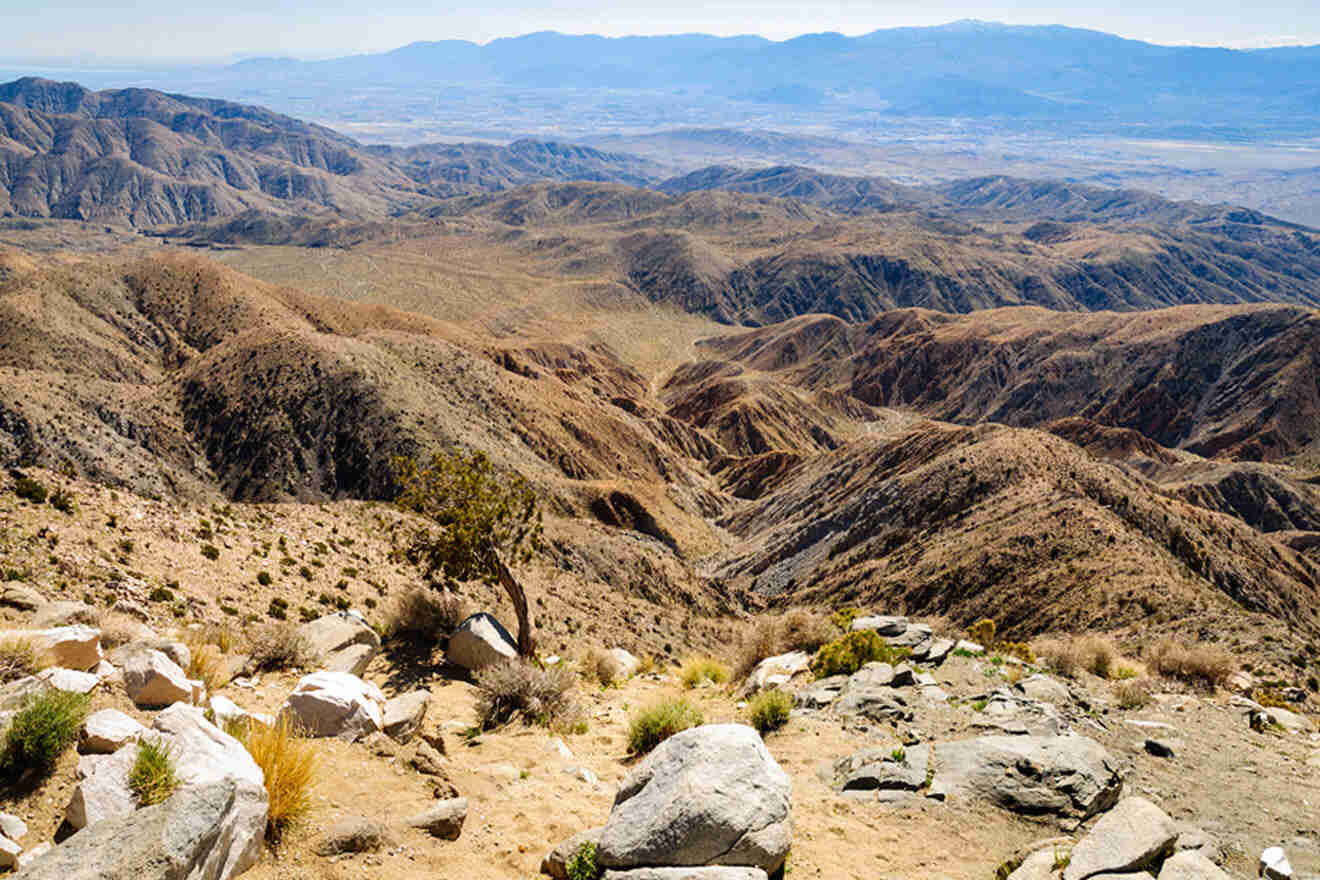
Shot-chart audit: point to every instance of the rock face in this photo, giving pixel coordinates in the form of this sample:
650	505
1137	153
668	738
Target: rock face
107	731
1071	777
191	836
336	704
1134	835
404	715
480	641
332	637
709	795
152	679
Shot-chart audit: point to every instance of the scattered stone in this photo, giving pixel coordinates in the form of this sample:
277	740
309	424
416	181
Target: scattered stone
1044	689
883	626
69	681
911	637
404	715
1289	721
903	676
626	662
877	704
969	646
878	770
1071	777
939	651
583	774
12	827
1191	865
336	704
107	731
1040	865
226	711
1191	838
426	760
874	673
480	641
107	672
132	609
1133	836
102	791
153	679
24	598
1159	748
334	632
556	861
1240	682
444	820
9	854
775	672
353	659
64	613
706	873
352	834
709	795
822	693
1274	864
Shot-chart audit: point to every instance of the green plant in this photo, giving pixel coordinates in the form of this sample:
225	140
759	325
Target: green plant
278	608
211	552
983	633
152	778
696	670
769	710
305	573
846	655
583	864
40	731
63	501
264	578
898	756
481	516
979	705
843	618
161	594
657	722
519	689
30	490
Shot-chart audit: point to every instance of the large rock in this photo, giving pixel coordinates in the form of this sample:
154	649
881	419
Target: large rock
336	704
153	679
352	834
69	681
1191	865
480	641
775	672
65	613
556	861
72	647
333	633
1274	864
444	820
709	873
107	731
709	795
12	827
102	790
875	703
884	626
191	836
24	598
627	663
404	715
1071	777
354	659
1133	836
10	853
879	770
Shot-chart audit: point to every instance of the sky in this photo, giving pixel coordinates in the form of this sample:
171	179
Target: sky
79	31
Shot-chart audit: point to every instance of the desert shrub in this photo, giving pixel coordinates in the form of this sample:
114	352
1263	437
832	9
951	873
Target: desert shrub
1270	698
62	501
659	721
600	666
211	552
19	658
426	613
152	778
519	689
847	655
1020	650
646	664
843	618
798	630
264	578
40	731
1204	666
1068	656
119	629
289	762
206	662
759	641
769	710
30	490
1132	693
278	608
279	646
696	670
983	633
583	864
161	594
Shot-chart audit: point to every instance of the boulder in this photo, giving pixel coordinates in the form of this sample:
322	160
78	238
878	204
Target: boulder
875	703
1274	865
1131	837
353	659
444	820
939	650
822	693
707	873
108	731
1289	721
709	795
1071	777
1191	865
178	652
69	681
904	676
626	662
191	836
72	647
352	834
63	613
403	715
874	673
9	854
152	680
775	672
1044	689
556	861
334	632
1040	865
880	770
226	711
24	598
336	704
12	827
480	641
911	637
884	626
102	791
1160	748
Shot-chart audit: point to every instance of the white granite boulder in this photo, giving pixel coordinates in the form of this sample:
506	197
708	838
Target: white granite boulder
154	680
336	704
480	641
107	731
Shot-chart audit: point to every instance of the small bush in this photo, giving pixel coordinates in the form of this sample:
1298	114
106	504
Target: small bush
583	864
62	501
278	608
280	646
1132	693
119	629
518	689
152	778
305	573
211	552
19	658
983	633
426	613
1270	698
1020	650
264	578
40	731
847	655
696	670
1068	656
798	630
600	666
658	722
30	490
770	710
843	618
161	594
289	763
1203	666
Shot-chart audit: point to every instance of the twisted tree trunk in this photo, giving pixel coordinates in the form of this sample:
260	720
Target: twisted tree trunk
526	642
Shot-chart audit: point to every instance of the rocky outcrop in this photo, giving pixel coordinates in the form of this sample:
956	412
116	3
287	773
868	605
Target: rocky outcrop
153	680
480	641
343	641
1133	836
335	704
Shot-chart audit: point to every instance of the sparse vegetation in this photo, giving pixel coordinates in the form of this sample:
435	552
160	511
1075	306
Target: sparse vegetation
264	578
279	646
427	614
583	864
847	655
289	763
278	608
1070	655
699	670
983	633
520	689
600	666
152	778
206	661
769	710
798	630
657	722
1132	693
63	501
19	658
1202	666
161	594
40	731
30	490
211	552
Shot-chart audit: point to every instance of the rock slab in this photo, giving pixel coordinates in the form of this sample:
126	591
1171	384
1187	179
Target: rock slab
480	641
336	704
1134	835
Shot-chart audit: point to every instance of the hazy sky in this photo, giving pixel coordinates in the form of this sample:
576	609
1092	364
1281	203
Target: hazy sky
170	29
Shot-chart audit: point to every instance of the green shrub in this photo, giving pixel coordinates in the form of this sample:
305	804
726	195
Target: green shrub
658	722
769	710
152	778
161	594
696	670
583	865
41	730
278	608
306	573
30	490
983	633
62	501
847	655
211	552
264	578
843	618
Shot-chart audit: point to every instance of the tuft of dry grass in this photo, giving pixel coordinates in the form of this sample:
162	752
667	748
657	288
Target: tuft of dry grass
1201	666
426	613
290	763
698	670
1133	693
798	630
599	665
19	658
279	646
1068	656
518	689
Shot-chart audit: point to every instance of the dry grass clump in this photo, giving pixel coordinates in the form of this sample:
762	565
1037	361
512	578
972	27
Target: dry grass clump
19	658
518	689
1202	666
699	670
600	666
769	710
279	646
289	762
119	629
1068	656
207	662
659	721
798	630
426	613
1133	693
